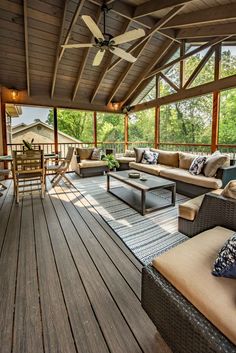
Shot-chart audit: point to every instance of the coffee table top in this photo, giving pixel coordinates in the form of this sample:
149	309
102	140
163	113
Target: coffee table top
152	182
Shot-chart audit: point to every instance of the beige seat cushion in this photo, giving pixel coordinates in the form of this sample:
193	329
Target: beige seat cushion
189	209
125	159
214	162
185	176
188	268
167	157
148	168
230	190
185	160
90	164
84	153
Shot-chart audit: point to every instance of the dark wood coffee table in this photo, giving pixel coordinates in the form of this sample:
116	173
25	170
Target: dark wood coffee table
140	194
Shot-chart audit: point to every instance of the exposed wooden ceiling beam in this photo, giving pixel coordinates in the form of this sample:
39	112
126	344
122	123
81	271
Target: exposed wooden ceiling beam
153	5
153	30
202	17
172	84
108	63
187	55
26	37
169	33
157	57
140	49
85	57
227	29
183	94
73	22
63	20
199	68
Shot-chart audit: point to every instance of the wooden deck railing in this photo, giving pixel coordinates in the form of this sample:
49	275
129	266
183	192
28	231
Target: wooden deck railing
119	147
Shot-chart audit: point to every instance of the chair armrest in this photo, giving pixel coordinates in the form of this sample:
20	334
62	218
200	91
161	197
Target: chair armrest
226	174
215	210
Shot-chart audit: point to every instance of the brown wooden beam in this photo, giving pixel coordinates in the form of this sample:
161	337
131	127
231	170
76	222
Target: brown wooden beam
85	58
157	127
157	57
227	29
126	127
211	43
202	17
95	133
58	50
73	22
165	78
216	102
152	6
55	125
153	30
26	38
182	65
219	85
199	68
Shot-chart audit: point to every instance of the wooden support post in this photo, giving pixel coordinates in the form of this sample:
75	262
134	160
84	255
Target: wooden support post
95	135
182	65
126	123
55	123
4	128
216	102
157	116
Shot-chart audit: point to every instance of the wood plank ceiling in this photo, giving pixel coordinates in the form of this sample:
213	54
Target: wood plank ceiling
32	60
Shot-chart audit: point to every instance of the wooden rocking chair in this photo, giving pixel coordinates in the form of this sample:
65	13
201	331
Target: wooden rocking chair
61	168
28	172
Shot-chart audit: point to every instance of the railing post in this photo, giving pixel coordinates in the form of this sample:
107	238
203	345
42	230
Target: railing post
55	123
126	123
157	117
95	135
216	102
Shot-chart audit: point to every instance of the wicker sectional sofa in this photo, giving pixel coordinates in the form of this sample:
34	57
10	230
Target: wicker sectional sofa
174	166
193	310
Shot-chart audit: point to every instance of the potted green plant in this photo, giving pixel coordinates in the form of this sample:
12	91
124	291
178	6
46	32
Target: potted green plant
112	163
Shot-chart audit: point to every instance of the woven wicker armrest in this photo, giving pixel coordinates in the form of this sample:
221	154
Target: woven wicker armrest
181	325
215	210
226	174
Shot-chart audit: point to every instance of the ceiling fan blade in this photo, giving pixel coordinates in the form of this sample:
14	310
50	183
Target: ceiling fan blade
82	45
98	58
93	27
129	36
123	54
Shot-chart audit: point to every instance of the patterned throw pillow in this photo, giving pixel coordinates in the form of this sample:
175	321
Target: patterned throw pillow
150	157
197	165
225	264
96	155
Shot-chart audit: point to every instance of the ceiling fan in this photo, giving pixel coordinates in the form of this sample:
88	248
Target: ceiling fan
105	41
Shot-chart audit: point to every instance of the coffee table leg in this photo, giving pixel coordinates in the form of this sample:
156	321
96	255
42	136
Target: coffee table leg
143	202
173	198
108	182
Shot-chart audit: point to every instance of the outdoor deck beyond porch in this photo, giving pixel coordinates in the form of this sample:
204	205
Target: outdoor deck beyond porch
68	283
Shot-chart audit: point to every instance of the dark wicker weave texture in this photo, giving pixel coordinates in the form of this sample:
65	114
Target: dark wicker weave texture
181	325
215	210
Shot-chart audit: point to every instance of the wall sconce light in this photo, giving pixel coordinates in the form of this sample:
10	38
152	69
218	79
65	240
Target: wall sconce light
115	105
14	93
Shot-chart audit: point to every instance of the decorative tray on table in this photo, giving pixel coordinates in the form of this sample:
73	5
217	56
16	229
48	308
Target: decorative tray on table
134	175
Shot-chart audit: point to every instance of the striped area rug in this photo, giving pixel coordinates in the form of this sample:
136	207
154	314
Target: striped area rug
146	236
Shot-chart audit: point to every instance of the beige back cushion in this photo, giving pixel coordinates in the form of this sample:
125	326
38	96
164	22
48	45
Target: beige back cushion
84	153
129	153
230	190
139	153
185	160
214	162
167	157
